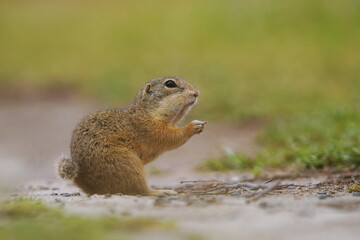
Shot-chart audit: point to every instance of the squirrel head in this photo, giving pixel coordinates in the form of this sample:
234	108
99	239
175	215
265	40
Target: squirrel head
168	98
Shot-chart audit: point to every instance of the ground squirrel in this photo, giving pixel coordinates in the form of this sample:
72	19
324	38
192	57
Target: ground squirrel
110	148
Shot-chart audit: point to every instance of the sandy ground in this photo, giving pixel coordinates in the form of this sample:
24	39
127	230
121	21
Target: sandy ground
34	133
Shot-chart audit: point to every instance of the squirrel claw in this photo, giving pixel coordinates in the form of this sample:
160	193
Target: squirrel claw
199	125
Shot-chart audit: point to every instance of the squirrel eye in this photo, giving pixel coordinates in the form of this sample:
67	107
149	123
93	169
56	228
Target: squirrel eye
170	84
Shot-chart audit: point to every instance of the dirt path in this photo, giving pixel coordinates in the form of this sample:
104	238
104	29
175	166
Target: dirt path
33	134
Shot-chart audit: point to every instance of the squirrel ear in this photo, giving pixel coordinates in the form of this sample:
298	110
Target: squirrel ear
148	88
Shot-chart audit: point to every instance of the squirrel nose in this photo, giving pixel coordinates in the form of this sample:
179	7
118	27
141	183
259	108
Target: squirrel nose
196	93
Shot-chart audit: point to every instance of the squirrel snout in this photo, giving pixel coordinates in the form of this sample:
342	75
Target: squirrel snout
196	93
193	97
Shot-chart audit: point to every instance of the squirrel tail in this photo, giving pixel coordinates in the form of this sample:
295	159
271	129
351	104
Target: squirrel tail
67	168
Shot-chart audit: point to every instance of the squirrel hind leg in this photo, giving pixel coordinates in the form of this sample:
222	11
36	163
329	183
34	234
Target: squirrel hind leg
67	168
119	172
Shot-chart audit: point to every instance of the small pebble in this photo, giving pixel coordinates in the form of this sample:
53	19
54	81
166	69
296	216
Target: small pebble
108	195
161	202
209	199
171	198
70	194
325	196
194	201
356	194
321	192
263	205
236	193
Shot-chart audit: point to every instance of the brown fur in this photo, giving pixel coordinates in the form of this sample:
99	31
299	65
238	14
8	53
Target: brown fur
110	148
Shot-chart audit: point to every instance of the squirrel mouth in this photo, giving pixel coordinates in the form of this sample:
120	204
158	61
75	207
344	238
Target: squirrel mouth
192	102
184	110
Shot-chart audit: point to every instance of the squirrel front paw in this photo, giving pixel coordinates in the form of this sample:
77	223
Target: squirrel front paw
198	126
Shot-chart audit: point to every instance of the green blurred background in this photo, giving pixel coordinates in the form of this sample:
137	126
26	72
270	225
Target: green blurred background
296	63
248	58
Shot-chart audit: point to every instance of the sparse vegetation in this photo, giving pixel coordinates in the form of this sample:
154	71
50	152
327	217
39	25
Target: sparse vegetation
326	138
353	188
232	161
29	219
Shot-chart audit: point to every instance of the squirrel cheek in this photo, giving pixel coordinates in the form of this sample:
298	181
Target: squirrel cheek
175	109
